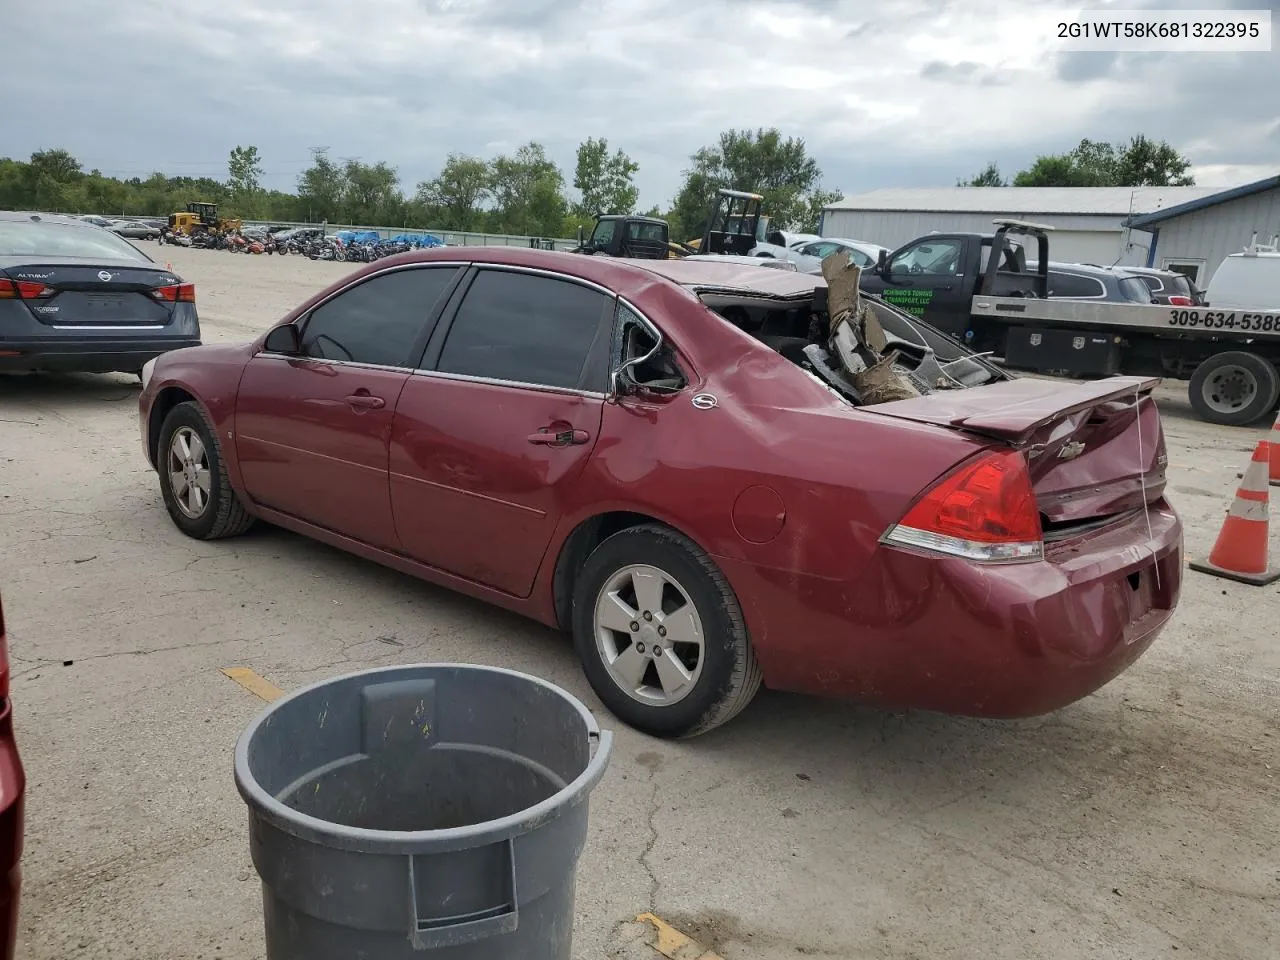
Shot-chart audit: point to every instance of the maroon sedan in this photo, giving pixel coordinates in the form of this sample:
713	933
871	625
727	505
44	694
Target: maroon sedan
664	458
13	783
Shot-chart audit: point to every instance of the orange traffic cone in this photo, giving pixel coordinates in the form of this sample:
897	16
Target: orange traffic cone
1274	475
1241	550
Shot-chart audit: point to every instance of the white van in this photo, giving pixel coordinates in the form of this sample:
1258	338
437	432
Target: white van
1246	280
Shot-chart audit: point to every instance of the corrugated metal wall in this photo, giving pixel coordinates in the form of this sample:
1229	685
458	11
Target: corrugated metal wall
1076	239
1211	234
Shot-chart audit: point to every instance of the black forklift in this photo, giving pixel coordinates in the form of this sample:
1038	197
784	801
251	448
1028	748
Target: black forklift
735	225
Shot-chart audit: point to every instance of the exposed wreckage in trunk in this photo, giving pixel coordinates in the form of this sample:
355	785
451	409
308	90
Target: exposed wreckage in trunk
1095	450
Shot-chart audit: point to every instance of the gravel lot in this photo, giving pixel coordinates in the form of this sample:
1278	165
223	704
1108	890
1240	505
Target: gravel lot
1141	822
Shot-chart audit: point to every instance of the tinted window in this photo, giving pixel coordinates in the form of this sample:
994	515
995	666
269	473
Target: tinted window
1074	285
378	320
1153	282
604	231
31	238
527	329
934	257
858	257
1131	288
822	249
645	231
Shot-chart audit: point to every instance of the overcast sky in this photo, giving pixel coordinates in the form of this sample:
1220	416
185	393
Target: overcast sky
895	93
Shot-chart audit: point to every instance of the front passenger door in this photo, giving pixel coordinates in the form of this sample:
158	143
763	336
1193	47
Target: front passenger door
312	430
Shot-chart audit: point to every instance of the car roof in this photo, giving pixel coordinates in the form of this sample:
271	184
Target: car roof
1087	269
627	276
632	216
20	216
863	245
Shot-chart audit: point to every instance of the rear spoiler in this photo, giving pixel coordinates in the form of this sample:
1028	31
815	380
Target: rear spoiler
1015	410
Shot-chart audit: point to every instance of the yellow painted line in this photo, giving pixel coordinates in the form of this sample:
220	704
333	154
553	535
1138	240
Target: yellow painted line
255	684
673	944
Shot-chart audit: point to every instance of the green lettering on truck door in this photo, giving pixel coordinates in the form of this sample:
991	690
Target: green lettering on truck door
911	300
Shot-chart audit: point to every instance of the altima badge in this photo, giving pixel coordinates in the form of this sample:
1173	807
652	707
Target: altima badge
705	401
104	276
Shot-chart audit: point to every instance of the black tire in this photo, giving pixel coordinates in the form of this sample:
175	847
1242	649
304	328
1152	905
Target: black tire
1234	388
223	514
730	676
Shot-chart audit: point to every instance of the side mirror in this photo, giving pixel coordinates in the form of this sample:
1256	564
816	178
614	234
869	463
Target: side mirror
882	263
285	339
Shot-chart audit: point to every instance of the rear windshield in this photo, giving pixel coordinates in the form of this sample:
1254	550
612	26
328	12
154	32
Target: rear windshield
30	238
1132	288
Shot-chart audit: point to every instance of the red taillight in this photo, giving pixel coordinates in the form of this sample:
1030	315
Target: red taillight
1180	301
24	290
178	293
984	510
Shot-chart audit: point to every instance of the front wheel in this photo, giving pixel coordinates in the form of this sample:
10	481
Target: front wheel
661	635
1234	389
193	478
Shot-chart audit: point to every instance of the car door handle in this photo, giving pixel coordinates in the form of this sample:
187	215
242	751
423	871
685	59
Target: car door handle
559	438
365	401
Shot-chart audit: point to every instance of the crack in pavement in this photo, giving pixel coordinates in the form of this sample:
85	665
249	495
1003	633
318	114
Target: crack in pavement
654	884
38	663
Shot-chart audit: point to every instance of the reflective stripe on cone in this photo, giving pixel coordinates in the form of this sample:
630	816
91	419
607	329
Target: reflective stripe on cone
1240	552
1274	471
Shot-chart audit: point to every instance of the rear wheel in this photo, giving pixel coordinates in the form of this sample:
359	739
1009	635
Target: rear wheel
661	635
1234	388
193	478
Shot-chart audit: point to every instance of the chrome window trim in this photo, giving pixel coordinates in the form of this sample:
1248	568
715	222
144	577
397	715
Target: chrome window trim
518	384
345	363
544	272
1102	287
298	321
521	384
467	378
101	327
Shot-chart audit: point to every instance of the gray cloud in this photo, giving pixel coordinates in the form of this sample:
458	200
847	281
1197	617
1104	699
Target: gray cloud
892	100
965	72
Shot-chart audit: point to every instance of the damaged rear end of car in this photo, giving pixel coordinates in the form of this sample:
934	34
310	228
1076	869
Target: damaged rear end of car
1031	566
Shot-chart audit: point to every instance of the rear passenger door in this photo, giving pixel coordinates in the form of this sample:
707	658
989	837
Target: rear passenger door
492	434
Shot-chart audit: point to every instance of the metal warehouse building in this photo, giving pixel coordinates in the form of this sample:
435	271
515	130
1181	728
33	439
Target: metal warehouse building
1089	222
1195	236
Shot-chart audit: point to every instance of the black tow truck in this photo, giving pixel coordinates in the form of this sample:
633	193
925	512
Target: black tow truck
978	288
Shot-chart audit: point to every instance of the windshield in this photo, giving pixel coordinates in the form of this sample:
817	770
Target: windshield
1133	289
31	238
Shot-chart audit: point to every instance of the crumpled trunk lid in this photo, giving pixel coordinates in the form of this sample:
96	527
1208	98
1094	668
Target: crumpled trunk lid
1094	449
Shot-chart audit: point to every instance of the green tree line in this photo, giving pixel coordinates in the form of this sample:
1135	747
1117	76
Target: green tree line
1141	162
523	192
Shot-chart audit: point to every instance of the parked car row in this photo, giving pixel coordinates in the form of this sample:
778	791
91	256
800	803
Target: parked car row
133	228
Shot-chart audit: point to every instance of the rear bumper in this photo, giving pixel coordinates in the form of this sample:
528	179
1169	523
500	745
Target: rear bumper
96	355
1019	640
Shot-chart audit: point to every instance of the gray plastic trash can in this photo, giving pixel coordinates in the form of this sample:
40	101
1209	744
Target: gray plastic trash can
422	808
